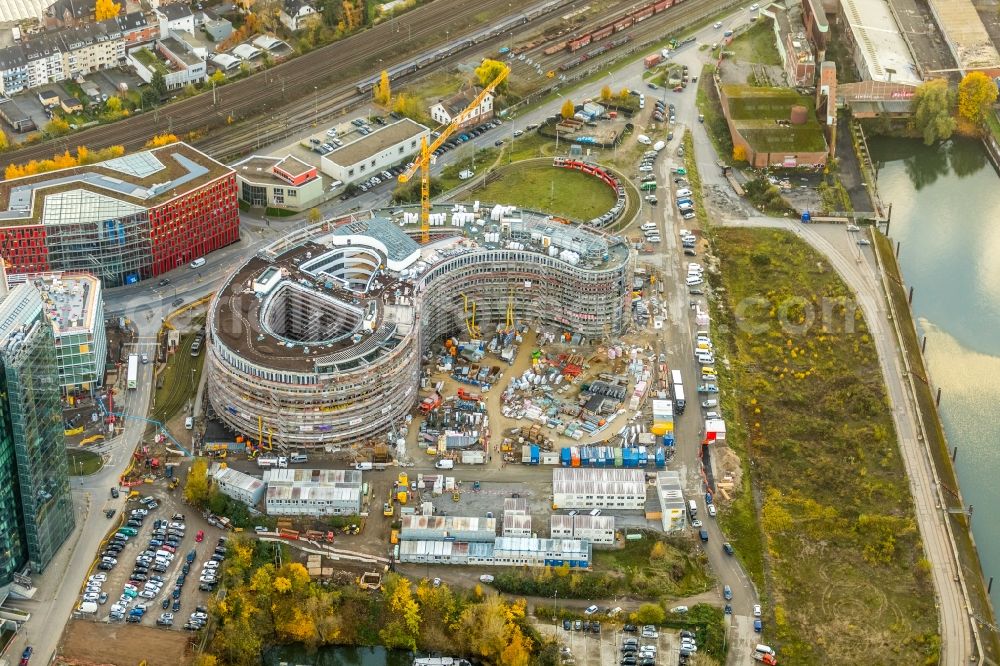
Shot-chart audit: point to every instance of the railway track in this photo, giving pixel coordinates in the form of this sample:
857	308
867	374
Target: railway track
345	61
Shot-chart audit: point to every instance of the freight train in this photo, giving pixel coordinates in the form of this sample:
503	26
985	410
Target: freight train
613	26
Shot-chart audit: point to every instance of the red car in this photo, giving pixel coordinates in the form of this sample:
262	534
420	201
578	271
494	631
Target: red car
200	536
26	656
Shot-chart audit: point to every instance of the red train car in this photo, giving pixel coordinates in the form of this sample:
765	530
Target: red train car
643	14
578	43
623	24
555	48
662	5
601	33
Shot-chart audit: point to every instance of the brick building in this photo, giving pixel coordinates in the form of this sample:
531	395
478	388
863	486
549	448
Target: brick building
125	219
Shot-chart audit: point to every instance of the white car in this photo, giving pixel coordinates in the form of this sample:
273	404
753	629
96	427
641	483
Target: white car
177	526
679	609
147	594
717	25
211	564
486	578
91	596
591	610
713	415
99	577
754	7
695	523
853	227
711	510
690	238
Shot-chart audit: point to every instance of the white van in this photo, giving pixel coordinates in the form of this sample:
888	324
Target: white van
189	423
684	192
363	466
198	263
648	226
693	280
445	464
298	458
764	649
644	140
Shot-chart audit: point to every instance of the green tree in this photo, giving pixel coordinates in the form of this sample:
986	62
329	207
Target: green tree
57	127
649	614
196	490
4	142
489	70
932	111
568	110
239	643
159	84
976	95
218	78
401	627
314	215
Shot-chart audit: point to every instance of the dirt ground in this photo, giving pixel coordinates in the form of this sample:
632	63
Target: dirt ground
89	642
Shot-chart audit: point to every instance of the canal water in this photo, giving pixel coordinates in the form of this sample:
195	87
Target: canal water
296	655
946	215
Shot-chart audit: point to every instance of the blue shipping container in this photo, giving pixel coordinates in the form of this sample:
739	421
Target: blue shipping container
535	455
565	457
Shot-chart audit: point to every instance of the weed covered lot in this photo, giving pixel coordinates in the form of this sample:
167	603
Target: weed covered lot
653	568
545	188
843	568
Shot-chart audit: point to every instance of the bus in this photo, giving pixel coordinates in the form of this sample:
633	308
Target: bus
648	186
133	370
678	383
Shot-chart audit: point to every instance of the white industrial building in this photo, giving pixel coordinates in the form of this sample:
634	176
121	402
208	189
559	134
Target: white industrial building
673	515
374	153
234	483
516	524
504	551
448	528
598	488
595	529
313	492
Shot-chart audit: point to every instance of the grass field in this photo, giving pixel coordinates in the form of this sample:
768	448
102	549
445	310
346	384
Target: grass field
845	578
179	381
715	122
83	463
562	192
757	45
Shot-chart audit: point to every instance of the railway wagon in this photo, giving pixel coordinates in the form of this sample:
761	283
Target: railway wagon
578	43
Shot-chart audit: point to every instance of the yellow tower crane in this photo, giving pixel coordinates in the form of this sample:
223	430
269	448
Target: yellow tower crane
423	162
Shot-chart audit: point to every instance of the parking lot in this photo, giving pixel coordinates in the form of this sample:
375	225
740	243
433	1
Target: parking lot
137	595
606	648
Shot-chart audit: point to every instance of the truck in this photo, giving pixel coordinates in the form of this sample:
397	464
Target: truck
269	462
765	658
133	371
465	395
430	403
651	61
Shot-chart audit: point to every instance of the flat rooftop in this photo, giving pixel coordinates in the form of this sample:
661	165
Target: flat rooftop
374	143
71	300
880	42
257	169
965	33
755	112
96	192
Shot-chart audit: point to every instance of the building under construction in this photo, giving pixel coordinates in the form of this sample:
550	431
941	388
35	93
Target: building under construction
317	339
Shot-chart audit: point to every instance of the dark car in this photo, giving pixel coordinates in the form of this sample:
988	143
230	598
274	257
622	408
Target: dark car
164	282
177	301
114	493
595	627
104	566
26	655
176	594
176	606
208	587
688	252
166	603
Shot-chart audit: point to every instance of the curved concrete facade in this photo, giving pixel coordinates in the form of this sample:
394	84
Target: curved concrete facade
312	350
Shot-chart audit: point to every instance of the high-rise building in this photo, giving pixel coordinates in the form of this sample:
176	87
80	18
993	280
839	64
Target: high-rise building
36	508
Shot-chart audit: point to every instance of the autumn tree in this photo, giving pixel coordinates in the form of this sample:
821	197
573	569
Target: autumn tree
218	77
568	110
649	613
623	94
382	92
401	627
114	104
57	127
488	72
932	111
314	215
196	489
976	95
406	105
106	9
739	153
606	93
205	659
161	140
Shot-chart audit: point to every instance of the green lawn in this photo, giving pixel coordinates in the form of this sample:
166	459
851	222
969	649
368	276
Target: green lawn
83	463
836	515
756	45
179	381
545	188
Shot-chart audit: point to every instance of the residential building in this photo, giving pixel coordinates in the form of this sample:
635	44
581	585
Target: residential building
794	47
673	511
598	530
45	59
177	16
125	219
448	110
240	486
63	13
278	182
136	29
89	48
297	14
71	105
40	517
74	306
13	70
373	153
48	97
602	488
313	492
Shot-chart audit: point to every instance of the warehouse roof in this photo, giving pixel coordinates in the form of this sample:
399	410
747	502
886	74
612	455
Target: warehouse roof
314	477
312	494
367	146
881	45
603	481
964	30
449	523
237	479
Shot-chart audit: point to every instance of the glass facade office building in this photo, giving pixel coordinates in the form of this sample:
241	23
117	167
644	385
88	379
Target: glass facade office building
32	447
